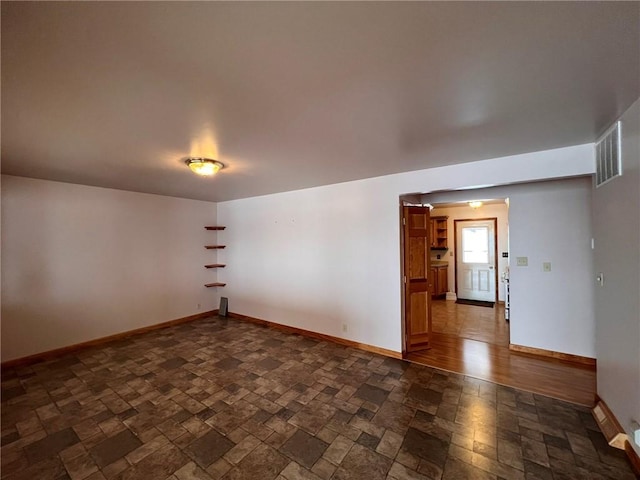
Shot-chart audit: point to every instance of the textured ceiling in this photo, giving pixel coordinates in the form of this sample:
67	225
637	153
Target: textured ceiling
293	95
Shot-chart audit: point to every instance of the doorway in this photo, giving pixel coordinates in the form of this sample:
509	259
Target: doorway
476	272
453	311
445	318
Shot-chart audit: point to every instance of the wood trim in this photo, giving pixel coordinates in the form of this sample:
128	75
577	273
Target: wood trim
496	259
568	357
316	335
609	425
455	259
58	352
633	457
403	329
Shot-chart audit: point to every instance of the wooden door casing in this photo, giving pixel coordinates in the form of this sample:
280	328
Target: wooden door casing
417	278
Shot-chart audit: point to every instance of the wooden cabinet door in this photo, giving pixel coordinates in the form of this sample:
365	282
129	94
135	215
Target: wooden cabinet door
417	273
433	284
432	233
443	284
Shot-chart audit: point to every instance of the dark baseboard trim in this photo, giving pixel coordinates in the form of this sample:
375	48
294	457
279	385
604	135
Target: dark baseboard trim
319	336
50	354
567	357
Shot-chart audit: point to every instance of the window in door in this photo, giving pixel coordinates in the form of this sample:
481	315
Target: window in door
475	245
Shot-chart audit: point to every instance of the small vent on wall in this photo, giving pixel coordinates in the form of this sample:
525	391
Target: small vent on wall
609	156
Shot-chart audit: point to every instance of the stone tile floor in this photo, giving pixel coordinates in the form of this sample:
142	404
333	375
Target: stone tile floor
220	398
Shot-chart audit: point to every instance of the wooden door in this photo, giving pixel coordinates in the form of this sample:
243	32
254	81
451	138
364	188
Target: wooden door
417	281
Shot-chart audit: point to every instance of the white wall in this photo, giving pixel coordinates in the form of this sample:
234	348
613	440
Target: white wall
498	211
548	222
81	262
323	257
552	310
616	221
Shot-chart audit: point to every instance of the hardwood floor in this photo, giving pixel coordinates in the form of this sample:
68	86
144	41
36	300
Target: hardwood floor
488	356
469	321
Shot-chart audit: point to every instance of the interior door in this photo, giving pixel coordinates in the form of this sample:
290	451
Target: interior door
417	281
475	260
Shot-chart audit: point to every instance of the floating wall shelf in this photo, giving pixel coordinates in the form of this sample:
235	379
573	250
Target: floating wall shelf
214	265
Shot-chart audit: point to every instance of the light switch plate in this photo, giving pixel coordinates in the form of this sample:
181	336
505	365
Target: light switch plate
546	267
522	261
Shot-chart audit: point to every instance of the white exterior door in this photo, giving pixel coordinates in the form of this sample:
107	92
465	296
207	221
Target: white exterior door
475	260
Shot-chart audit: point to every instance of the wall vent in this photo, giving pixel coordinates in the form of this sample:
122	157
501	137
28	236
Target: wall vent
609	156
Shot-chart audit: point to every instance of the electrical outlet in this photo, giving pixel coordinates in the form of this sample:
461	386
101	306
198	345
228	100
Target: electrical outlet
522	261
546	267
345	328
451	254
636	432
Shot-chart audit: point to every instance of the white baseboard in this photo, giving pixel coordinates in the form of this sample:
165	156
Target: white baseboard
452	296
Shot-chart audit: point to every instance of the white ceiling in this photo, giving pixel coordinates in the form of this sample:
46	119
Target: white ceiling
293	95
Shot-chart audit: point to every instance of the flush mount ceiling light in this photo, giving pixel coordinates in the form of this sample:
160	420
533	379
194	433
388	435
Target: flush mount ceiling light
204	166
475	204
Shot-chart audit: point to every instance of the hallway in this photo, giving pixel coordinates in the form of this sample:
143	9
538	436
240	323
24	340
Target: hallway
474	341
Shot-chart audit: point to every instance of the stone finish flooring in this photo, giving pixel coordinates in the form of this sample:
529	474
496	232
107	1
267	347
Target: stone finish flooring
220	398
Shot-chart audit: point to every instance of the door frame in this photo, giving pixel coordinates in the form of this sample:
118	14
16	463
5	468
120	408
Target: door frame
495	248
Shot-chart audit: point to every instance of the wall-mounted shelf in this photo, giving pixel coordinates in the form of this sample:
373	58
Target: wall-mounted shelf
214	247
439	240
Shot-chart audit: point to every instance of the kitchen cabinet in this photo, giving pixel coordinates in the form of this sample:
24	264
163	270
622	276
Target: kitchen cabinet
439	281
439	233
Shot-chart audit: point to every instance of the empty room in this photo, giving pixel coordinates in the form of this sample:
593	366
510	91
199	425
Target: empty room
320	240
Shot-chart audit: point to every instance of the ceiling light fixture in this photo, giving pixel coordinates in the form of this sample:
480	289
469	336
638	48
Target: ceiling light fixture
204	166
475	204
